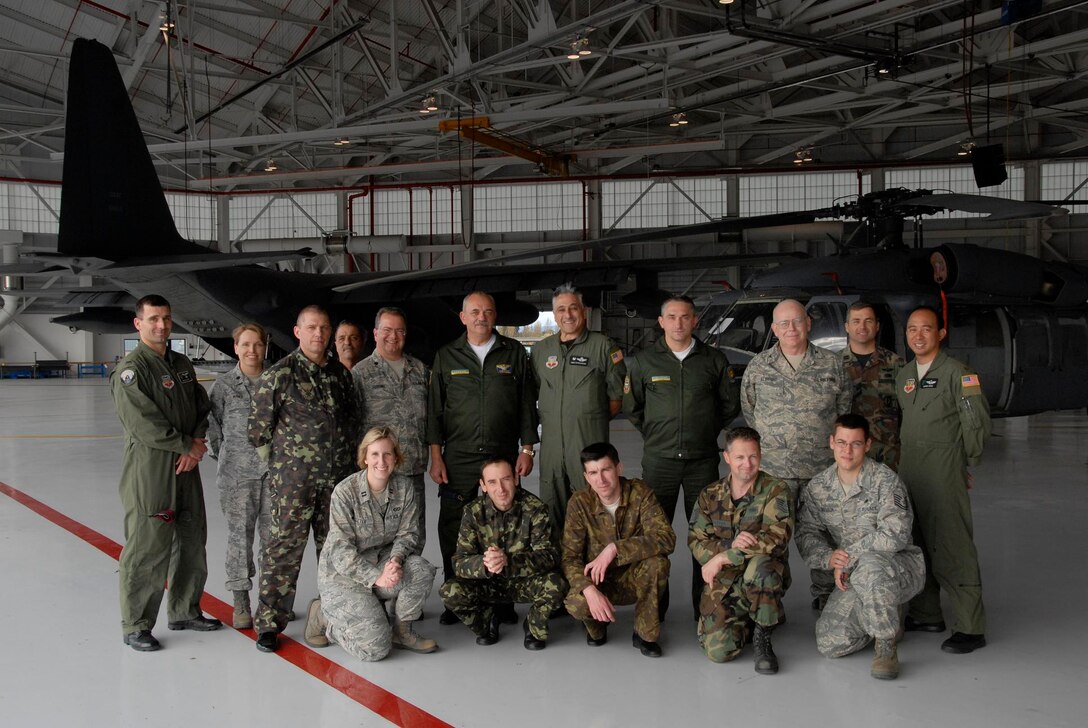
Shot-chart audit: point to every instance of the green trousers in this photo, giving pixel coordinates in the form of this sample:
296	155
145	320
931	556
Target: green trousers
463	472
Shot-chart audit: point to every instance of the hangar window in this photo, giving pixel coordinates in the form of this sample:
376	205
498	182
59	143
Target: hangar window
1060	179
658	203
768	194
528	207
194	215
254	217
31	208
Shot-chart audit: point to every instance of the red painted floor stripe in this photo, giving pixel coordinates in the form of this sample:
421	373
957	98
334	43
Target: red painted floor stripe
394	709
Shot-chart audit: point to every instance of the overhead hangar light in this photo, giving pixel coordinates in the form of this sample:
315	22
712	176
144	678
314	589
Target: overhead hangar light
271	166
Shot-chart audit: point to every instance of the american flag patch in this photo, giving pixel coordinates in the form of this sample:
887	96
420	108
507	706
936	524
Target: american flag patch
970	380
617	356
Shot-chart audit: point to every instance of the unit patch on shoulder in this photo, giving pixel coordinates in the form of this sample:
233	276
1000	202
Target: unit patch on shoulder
185	377
580	361
504	368
128	376
167	381
553	362
908	387
616	356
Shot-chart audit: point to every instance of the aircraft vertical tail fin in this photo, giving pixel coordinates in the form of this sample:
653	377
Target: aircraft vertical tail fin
112	204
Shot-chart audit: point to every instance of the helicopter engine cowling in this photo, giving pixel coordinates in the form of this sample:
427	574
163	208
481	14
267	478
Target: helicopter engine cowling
964	268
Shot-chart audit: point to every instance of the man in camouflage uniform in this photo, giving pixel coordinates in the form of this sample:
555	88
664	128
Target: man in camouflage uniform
392	387
164	412
856	519
242	477
946	421
579	379
305	415
680	394
480	403
740	533
872	370
791	394
505	553
616	546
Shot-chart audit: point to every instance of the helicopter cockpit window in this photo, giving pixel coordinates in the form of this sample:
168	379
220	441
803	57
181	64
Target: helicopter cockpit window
746	327
827	325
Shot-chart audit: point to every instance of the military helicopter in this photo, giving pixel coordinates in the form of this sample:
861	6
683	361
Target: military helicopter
1019	321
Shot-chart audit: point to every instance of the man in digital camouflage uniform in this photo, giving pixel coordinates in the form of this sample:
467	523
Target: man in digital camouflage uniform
680	394
305	416
791	394
856	520
506	552
392	387
480	404
616	546
740	533
946	420
579	380
872	370
164	413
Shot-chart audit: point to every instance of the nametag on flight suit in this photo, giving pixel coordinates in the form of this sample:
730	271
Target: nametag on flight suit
908	387
504	368
928	383
552	363
459	372
167	381
580	361
660	378
185	377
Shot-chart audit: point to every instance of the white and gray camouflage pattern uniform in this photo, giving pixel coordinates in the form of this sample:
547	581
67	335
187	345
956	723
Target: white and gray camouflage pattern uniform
360	540
871	520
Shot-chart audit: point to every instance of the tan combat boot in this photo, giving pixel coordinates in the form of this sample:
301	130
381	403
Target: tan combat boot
885	661
316	625
405	638
241	618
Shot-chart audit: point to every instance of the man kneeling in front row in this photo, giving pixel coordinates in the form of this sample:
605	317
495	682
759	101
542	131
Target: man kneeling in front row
505	553
740	533
616	546
856	519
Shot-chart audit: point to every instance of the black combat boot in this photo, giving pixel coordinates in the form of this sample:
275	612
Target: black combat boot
766	661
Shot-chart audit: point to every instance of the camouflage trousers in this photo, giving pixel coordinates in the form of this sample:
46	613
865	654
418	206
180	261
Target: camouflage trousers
821	581
359	618
642	584
295	509
419	486
729	604
879	584
474	600
246	509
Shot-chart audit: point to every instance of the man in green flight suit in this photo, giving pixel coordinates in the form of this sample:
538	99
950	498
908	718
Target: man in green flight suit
579	379
680	394
946	421
480	405
164	412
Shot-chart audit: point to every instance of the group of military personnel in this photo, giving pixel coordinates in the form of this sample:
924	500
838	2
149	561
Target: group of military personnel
827	433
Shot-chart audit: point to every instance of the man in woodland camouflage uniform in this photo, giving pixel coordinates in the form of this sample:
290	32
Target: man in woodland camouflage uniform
740	533
305	415
392	387
505	553
872	369
856	519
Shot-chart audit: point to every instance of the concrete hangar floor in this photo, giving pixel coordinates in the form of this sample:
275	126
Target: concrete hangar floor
64	664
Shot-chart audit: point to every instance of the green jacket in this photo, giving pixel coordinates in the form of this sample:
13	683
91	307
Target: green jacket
640	530
574	386
875	400
162	407
524	533
943	410
680	407
483	410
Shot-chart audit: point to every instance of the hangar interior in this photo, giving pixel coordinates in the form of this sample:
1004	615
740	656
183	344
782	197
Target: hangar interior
397	136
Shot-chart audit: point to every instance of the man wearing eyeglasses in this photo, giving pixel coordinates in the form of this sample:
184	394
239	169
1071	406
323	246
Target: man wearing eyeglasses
856	519
791	395
392	387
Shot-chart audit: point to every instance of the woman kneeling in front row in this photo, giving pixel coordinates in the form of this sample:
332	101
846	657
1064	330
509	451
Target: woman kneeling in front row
372	581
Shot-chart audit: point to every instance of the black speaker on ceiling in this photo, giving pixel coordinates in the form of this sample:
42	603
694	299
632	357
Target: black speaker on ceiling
988	164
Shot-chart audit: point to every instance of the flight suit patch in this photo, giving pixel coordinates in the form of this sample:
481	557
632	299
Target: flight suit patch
900	501
167	381
616	356
580	361
504	368
928	383
908	387
459	372
627	384
970	383
552	363
185	377
128	376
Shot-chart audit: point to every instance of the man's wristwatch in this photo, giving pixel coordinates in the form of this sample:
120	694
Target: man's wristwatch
528	451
